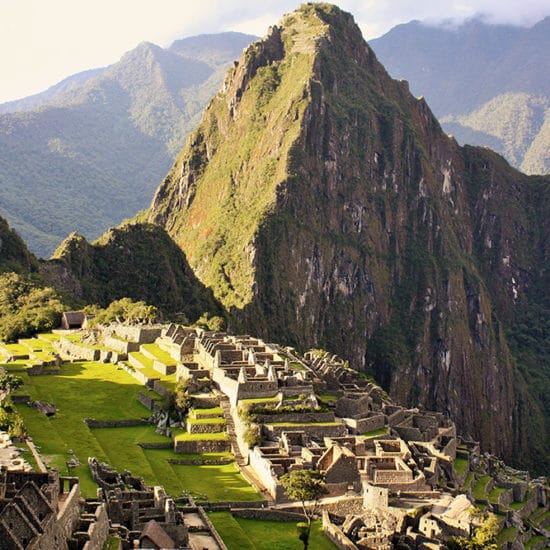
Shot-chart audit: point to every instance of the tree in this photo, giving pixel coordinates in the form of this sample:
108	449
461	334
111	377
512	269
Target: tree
483	539
307	486
9	383
126	310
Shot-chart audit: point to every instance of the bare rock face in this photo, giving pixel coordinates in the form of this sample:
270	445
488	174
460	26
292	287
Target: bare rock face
325	207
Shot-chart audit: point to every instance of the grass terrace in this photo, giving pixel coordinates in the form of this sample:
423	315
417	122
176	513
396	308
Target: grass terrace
507	535
377	433
159	354
105	392
480	488
216	436
495	493
461	465
16	350
255	400
253	534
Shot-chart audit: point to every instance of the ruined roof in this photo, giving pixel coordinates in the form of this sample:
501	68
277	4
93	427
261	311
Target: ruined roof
157	535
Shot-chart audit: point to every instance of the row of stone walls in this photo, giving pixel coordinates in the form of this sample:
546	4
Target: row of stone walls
76	351
136	373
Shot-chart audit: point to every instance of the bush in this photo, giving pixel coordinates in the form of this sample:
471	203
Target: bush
253	435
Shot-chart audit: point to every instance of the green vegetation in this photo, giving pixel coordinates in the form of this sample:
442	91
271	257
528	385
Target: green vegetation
77	162
461	465
101	391
136	261
26	307
480	488
124	310
305	486
376	433
248	534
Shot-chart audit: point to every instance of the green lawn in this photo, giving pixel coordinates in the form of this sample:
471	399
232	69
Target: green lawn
201	437
377	433
214	420
461	465
506	535
159	354
495	493
101	391
479	491
252	534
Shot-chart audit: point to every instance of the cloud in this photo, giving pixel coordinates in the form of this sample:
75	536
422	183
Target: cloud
45	41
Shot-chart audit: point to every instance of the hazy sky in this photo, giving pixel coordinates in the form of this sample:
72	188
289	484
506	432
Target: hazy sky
43	41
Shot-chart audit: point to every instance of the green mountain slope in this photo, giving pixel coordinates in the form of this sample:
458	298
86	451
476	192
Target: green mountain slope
325	207
135	261
477	78
91	150
14	254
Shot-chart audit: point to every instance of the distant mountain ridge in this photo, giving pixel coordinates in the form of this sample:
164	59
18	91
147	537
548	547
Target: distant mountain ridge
89	152
482	81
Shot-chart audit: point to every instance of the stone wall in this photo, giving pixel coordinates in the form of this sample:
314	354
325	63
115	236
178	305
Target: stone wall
163	368
365	425
69	514
75	350
194	428
158	445
296	417
335	534
121	346
139	334
268	514
98	530
148	402
202	446
162	390
314	430
93	423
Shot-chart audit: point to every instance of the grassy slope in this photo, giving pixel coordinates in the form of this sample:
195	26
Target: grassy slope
249	534
101	391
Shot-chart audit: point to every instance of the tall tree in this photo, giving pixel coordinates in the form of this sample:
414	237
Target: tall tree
307	486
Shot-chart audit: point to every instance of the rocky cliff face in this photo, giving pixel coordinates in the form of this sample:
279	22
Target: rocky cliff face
325	207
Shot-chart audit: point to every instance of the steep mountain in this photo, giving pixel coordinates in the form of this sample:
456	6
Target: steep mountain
324	206
14	254
137	261
483	81
89	152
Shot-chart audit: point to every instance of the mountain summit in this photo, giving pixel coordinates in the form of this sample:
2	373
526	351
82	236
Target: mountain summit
325	207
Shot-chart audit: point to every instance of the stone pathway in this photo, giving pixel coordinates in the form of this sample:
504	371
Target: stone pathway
230	424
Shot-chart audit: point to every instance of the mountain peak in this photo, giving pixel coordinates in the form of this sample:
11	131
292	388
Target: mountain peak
325	207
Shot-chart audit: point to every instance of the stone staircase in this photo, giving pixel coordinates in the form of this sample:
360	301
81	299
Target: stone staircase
230	426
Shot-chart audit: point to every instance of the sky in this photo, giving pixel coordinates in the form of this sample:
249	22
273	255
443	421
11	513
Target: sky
44	41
